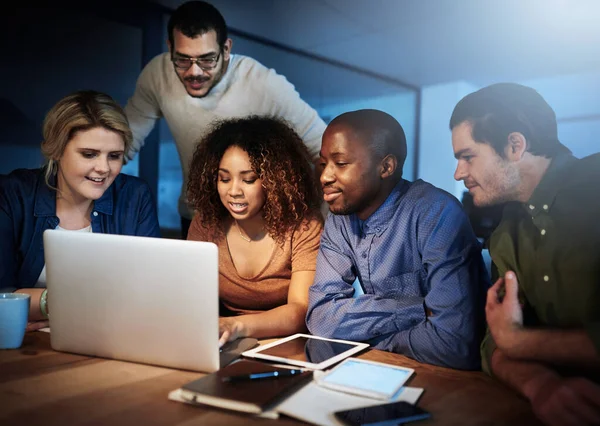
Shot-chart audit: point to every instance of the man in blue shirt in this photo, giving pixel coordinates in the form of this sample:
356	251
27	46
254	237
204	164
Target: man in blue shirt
409	244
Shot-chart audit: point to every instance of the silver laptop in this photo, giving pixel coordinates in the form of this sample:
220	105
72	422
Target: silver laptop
147	300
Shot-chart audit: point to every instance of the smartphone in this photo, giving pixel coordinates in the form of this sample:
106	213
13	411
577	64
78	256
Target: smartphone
390	414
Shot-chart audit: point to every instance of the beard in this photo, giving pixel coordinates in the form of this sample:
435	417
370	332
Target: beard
342	211
504	186
350	207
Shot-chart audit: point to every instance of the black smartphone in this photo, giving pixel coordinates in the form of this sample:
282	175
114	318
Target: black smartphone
393	413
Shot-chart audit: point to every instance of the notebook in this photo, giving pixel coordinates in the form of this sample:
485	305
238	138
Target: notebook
249	396
147	300
315	404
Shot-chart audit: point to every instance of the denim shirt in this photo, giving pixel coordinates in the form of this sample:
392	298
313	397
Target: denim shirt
28	208
420	267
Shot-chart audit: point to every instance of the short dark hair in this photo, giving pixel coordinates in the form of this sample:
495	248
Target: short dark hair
496	111
195	18
380	131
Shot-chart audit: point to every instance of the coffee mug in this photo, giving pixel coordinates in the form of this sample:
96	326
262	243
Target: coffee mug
14	311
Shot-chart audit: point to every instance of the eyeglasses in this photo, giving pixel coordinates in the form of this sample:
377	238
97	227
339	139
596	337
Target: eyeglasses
205	64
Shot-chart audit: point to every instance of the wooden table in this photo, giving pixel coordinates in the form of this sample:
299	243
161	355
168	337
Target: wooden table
39	386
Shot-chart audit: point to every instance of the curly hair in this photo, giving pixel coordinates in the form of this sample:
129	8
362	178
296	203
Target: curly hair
277	155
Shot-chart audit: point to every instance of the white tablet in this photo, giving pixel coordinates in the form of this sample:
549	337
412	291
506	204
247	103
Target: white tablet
366	378
307	351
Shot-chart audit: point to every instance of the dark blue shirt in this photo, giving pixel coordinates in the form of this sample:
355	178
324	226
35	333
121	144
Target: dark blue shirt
420	267
28	208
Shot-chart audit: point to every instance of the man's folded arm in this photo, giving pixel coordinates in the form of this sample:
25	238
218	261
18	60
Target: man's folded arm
450	334
457	282
573	347
333	312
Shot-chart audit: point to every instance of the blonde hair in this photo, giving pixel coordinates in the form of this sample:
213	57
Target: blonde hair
80	111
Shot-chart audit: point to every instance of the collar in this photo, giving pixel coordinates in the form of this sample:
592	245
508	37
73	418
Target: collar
378	222
104	204
544	194
45	198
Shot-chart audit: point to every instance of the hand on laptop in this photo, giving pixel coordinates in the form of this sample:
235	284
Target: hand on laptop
36	325
230	329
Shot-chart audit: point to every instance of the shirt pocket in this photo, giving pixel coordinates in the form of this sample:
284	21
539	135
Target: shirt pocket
403	285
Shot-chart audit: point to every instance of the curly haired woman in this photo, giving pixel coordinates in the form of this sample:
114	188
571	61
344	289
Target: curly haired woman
256	197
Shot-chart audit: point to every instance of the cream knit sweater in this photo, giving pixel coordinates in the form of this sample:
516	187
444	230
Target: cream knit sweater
247	88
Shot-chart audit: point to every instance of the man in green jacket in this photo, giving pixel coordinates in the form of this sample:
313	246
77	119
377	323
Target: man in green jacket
543	313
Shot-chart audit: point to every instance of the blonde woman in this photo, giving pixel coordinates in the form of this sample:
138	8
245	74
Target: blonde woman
80	189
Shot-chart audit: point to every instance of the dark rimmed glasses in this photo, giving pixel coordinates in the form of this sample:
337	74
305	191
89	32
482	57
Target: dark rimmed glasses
205	64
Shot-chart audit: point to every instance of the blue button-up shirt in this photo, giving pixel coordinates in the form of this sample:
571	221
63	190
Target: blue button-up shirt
420	267
28	208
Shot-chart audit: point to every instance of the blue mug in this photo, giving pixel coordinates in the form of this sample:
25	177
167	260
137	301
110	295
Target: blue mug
14	311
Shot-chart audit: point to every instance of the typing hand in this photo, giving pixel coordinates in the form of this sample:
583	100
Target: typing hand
230	329
36	325
504	314
572	401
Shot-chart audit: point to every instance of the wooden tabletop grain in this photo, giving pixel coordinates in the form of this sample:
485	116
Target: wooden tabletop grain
39	386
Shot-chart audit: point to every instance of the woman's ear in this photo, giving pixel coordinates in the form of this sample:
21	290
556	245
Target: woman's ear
516	147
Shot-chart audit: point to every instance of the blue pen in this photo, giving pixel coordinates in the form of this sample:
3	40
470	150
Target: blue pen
265	375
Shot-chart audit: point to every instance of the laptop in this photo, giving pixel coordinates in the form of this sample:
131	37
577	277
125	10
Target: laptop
140	299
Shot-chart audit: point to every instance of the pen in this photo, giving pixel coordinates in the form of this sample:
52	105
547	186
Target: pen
265	375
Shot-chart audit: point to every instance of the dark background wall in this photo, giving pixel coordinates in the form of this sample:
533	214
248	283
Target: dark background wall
49	52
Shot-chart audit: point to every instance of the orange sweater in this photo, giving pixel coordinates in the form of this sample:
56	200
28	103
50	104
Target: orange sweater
268	289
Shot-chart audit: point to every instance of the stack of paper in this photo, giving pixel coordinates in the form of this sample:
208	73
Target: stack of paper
315	404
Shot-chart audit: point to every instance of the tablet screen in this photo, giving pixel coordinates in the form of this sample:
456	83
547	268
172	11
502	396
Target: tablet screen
370	377
308	350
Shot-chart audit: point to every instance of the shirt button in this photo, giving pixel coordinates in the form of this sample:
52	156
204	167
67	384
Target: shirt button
545	207
364	255
95	213
543	232
531	206
546	278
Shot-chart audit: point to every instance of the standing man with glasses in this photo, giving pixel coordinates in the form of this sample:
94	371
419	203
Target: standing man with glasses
199	81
